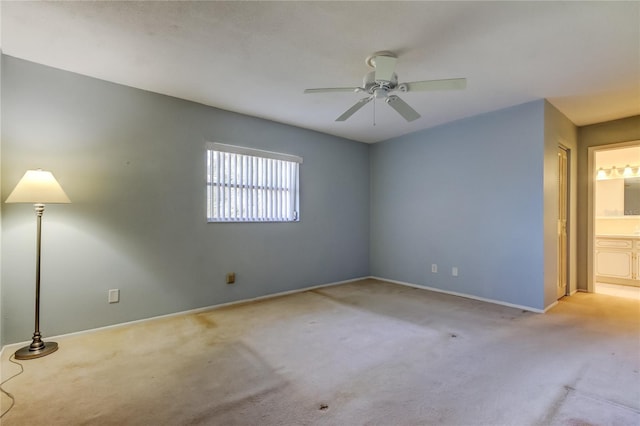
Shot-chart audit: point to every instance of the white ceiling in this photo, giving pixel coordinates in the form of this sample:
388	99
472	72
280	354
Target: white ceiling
256	58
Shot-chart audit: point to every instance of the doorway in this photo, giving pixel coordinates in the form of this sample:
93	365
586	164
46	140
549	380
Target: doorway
614	231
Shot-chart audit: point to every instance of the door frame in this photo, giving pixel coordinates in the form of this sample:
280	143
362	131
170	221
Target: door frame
567	226
591	188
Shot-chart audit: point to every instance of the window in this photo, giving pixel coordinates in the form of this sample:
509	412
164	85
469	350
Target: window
250	185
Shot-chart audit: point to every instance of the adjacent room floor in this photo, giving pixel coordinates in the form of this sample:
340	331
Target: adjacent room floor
363	353
618	290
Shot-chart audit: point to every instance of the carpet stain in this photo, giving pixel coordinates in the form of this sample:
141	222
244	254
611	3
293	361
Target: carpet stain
78	365
205	321
216	412
554	409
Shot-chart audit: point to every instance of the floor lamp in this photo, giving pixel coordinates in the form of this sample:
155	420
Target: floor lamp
37	187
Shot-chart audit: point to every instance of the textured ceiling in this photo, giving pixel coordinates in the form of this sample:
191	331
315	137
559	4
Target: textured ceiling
256	58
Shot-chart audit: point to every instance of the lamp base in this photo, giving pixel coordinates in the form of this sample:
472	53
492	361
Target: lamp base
28	353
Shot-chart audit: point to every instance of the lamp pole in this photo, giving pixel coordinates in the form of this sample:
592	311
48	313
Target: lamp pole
37	348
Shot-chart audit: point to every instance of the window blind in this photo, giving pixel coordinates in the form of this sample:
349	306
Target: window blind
249	185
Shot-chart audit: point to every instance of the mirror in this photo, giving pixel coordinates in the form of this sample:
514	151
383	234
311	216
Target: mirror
632	196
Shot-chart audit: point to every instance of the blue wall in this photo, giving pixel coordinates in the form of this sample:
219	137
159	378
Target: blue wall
133	164
467	194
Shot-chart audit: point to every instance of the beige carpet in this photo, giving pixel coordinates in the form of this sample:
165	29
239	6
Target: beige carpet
364	353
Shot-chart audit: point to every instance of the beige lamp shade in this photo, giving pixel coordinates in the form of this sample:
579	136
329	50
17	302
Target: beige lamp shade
38	187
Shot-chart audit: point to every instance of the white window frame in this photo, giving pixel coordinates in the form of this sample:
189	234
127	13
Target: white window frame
251	185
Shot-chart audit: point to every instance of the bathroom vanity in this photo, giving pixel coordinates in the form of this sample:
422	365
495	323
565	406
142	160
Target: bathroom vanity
617	259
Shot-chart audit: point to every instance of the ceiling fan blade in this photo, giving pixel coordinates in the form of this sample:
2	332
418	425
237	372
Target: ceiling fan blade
332	89
448	84
402	108
348	113
385	66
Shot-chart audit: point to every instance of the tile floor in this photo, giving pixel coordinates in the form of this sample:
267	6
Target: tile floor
618	290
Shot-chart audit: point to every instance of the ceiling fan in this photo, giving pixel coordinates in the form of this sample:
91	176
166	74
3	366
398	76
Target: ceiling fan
383	81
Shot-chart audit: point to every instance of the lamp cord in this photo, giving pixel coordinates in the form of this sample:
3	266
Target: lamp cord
13	399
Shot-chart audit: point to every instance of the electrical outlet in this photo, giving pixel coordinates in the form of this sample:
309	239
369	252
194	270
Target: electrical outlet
434	268
114	295
231	277
454	271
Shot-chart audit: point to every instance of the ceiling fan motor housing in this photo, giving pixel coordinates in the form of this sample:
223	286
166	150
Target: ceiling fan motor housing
369	83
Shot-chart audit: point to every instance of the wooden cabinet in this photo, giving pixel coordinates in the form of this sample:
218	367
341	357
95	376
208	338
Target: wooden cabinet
617	260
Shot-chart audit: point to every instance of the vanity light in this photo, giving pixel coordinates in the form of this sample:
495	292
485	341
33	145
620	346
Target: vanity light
614	172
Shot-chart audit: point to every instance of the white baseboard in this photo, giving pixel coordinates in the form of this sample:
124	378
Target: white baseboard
15	346
468	296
